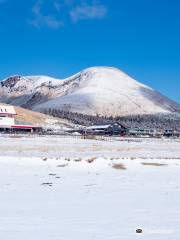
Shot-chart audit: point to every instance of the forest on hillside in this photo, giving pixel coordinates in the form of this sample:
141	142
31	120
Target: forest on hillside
155	121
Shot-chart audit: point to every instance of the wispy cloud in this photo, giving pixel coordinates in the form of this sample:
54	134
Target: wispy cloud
88	11
40	19
54	13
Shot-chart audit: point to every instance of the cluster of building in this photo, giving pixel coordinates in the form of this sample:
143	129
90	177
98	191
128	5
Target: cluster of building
154	132
122	130
7	122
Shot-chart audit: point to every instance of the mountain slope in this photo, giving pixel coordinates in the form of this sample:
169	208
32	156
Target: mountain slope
99	90
25	116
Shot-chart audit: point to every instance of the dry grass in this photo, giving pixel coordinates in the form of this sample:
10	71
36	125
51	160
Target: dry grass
119	166
62	165
67	159
91	160
77	160
15	136
154	164
26	116
88	137
31	117
47	184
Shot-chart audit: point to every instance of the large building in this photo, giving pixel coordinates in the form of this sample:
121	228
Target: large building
7	114
8	123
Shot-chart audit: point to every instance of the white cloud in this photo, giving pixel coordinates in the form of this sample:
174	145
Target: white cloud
88	11
47	20
53	13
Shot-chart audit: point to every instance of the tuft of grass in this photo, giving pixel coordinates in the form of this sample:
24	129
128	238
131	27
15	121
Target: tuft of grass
119	166
47	184
91	160
89	137
62	165
154	164
15	136
67	159
77	160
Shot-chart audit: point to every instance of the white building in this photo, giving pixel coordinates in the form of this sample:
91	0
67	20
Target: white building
8	124
7	114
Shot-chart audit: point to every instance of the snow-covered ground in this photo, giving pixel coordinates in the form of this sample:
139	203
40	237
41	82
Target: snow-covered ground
75	147
54	188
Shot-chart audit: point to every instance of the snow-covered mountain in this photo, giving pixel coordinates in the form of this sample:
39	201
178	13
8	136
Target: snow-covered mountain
100	90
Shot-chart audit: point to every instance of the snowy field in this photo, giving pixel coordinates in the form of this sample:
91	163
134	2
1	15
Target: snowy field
54	188
76	147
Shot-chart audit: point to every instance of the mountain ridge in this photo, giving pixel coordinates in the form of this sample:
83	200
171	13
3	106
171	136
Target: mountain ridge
105	91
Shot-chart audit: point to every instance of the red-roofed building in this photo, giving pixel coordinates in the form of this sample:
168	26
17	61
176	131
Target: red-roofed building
7	121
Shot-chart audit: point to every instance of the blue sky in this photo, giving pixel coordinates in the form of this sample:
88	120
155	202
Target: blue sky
61	37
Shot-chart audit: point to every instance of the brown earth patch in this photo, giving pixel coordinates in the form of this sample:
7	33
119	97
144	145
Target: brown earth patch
119	166
62	165
154	164
91	160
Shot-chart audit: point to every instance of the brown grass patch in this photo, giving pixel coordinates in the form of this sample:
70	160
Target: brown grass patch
77	160
47	184
154	164
15	136
25	116
91	160
62	165
119	166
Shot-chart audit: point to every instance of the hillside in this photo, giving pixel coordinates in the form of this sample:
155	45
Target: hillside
25	116
100	91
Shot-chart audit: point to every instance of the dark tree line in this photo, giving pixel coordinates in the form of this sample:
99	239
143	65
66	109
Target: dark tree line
157	121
